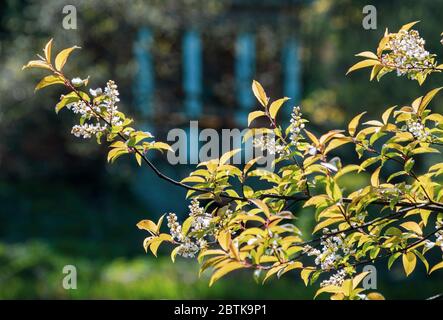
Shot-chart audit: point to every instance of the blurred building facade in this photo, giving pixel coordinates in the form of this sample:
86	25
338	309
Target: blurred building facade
219	56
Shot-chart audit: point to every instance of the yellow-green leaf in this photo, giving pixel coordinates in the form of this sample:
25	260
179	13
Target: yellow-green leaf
312	137
375	178
305	275
387	113
427	99
436	267
424	150
174	253
336	143
147	225
154	246
36	64
353	124
228	155
260	204
195	179
229	267
367	54
47	50
48	81
275	106
358	278
259	93
363	64
375	296
224	239
65	100
436	117
161	145
412	226
409	262
253	115
408	26
328	289
62	56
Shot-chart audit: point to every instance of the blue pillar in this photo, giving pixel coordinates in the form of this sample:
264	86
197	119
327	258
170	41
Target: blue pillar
244	70
291	73
144	78
192	73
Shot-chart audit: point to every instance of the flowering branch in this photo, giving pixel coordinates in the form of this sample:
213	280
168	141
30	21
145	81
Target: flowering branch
252	228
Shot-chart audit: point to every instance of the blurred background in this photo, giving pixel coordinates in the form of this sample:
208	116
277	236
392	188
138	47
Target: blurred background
62	203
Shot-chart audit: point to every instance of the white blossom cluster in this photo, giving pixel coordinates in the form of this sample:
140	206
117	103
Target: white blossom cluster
190	245
439	237
87	130
270	145
297	124
418	130
336	279
110	103
106	108
175	228
188	249
201	219
407	55
82	108
332	252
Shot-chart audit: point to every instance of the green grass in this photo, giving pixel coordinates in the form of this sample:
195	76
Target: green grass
35	271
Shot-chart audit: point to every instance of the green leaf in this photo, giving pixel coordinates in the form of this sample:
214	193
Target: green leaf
409	164
393	258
